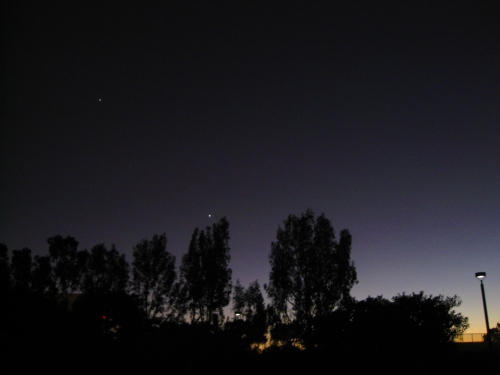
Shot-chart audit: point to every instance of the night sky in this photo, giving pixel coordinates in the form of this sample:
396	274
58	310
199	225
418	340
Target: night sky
121	120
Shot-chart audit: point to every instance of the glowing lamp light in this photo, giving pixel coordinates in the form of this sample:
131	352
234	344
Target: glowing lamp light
480	275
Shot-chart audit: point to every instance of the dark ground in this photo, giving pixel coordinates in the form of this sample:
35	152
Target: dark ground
59	359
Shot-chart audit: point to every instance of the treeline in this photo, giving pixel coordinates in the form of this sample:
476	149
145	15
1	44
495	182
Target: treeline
91	299
200	289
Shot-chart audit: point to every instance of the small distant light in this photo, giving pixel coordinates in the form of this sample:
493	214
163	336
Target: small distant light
104	317
480	275
99	99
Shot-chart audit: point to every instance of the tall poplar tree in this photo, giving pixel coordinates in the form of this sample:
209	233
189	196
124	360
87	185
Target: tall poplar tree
153	276
66	271
106	270
311	273
205	275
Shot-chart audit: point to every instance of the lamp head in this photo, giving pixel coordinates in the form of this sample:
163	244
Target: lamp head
480	275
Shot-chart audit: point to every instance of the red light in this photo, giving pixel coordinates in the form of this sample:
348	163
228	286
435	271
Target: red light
104	317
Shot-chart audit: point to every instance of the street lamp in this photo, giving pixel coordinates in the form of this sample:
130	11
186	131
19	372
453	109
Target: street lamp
481	276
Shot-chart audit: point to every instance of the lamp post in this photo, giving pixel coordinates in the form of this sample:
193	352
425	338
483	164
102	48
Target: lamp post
481	276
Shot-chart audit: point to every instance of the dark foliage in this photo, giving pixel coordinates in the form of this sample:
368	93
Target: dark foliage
205	276
407	323
66	269
153	277
249	325
106	328
311	275
104	271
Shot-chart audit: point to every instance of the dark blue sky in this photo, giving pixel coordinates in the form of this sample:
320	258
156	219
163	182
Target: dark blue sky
120	121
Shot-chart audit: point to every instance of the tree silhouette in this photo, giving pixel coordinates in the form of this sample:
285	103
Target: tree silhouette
310	282
406	323
153	276
106	270
205	275
63	254
495	334
4	269
430	320
21	265
311	273
42	276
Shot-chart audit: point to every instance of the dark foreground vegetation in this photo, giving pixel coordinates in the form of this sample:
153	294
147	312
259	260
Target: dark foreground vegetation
41	335
78	310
